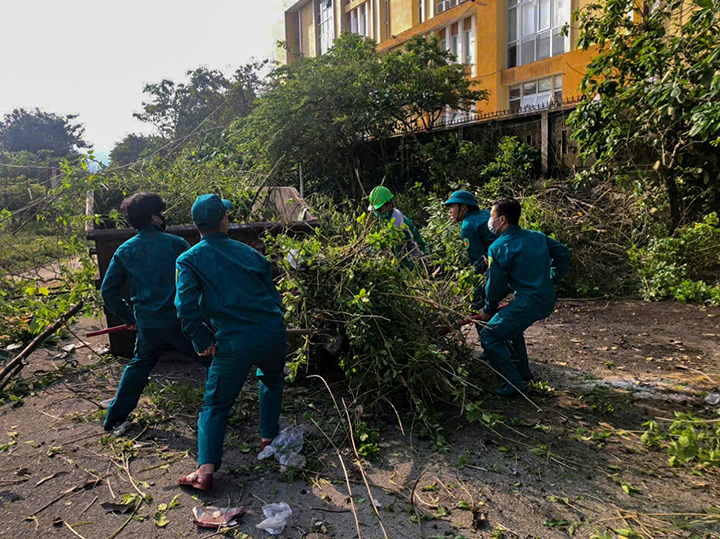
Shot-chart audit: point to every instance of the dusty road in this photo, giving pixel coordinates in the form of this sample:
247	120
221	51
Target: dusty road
571	462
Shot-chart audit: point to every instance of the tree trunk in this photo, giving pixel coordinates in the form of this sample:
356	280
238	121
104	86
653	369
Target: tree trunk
674	199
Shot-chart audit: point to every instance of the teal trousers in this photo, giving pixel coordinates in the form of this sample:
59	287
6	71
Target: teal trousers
149	344
503	340
227	374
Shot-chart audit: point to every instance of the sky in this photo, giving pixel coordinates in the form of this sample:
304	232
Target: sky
93	58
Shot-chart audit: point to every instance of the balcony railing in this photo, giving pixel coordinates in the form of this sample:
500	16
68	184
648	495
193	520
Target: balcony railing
443	6
471	117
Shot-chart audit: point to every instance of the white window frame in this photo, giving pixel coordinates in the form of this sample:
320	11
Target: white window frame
531	33
468	44
461	54
530	100
421	11
326	25
360	19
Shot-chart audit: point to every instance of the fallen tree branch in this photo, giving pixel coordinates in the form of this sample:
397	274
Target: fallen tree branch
15	365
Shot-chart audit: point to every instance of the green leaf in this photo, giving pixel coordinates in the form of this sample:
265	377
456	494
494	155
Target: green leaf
160	519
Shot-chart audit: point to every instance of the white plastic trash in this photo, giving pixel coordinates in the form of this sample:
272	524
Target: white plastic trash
713	399
286	447
276	515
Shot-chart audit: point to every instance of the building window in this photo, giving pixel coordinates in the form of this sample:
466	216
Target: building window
359	21
326	25
459	39
442	39
444	5
536	94
468	45
421	11
455	41
535	30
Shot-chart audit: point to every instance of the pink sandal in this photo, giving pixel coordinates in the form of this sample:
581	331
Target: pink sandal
200	481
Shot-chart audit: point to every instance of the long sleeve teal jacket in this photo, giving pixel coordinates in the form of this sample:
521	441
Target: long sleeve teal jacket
527	263
230	285
147	263
477	236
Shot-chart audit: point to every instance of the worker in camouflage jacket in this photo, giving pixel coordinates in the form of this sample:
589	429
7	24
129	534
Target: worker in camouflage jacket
383	208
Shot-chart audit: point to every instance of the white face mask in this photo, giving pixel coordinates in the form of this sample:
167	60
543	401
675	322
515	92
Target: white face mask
493	225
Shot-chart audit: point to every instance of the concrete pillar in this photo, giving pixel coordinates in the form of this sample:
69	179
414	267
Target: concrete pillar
544	141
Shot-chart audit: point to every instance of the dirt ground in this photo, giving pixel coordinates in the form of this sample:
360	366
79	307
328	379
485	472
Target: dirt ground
567	461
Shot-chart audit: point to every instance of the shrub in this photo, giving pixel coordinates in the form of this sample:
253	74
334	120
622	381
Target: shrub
515	164
685	267
348	284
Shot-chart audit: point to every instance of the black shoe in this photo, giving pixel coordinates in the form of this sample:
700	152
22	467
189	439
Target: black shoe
509	391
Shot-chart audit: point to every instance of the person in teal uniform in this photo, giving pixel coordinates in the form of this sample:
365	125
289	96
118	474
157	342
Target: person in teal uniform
146	262
230	285
475	234
382	207
531	265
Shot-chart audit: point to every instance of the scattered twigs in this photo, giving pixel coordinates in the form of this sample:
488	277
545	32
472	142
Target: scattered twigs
8	482
14	366
84	486
358	463
121	528
352	501
88	506
342	462
76	534
48	478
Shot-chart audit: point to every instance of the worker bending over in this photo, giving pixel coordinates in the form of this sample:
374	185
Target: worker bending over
382	207
146	262
476	236
229	284
531	265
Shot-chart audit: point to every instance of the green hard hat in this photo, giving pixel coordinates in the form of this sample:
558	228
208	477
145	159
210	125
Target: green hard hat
379	196
462	197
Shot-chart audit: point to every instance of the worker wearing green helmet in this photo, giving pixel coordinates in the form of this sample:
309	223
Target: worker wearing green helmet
382	207
475	233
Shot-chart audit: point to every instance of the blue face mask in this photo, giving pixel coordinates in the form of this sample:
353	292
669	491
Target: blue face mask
384	214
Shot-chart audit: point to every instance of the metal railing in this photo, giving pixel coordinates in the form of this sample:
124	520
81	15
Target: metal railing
472	117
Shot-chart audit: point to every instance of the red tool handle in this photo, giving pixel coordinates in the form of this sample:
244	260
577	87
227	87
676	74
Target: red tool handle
467	321
114	329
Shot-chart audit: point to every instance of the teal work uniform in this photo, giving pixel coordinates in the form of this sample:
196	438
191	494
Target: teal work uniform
529	264
477	239
146	262
230	285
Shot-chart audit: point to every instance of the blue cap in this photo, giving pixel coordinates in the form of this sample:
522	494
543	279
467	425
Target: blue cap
462	197
208	211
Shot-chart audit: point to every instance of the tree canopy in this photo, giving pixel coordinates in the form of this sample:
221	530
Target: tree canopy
133	148
653	110
208	100
322	112
40	132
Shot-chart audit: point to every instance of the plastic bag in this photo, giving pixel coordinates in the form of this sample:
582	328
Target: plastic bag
286	447
276	515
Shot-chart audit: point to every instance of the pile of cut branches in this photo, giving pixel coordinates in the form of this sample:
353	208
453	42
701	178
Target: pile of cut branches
357	288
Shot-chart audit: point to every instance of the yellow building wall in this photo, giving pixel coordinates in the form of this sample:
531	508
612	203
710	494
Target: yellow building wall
402	15
291	35
490	18
308	30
